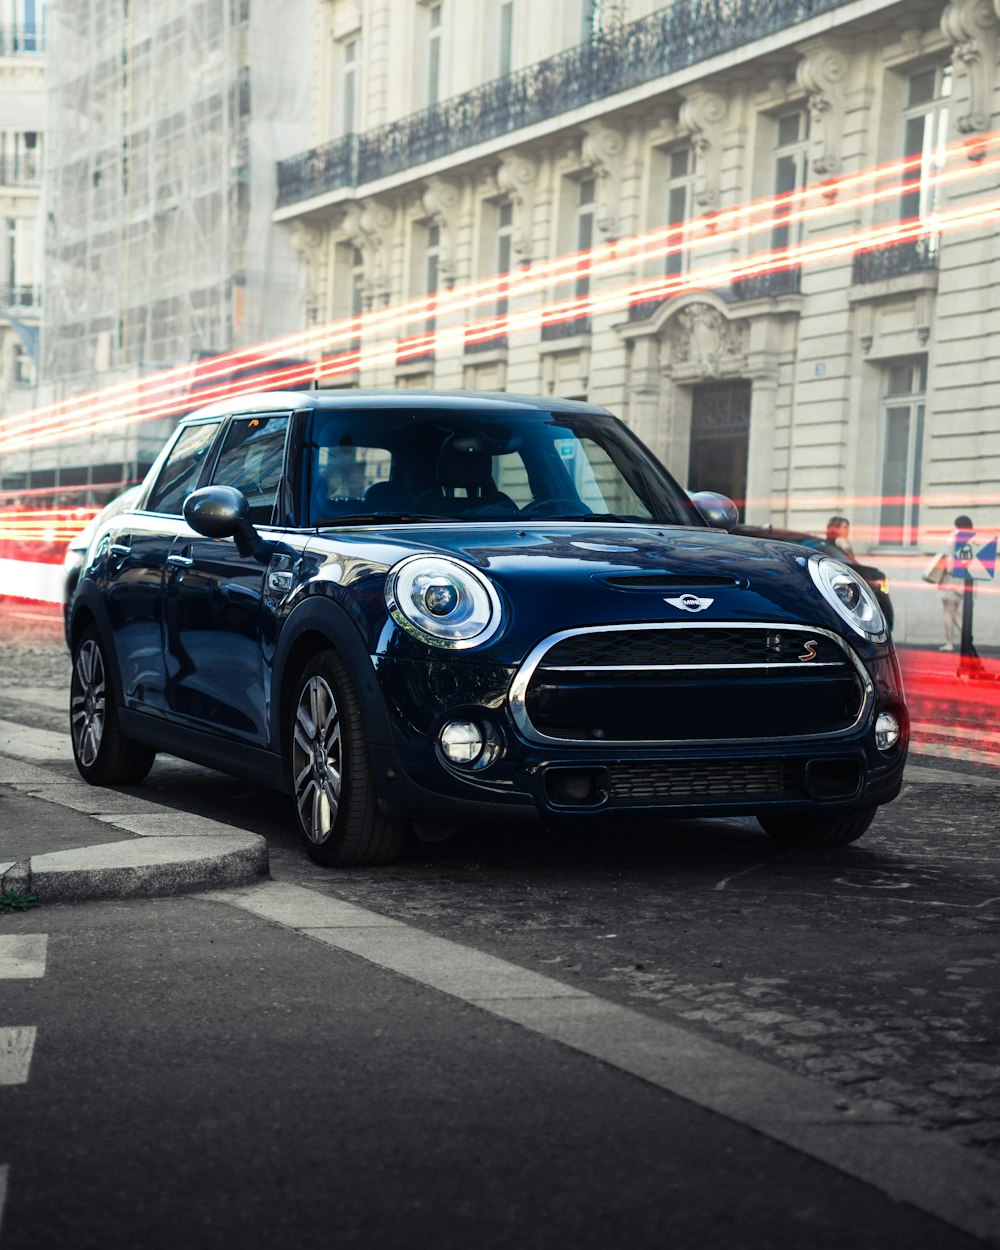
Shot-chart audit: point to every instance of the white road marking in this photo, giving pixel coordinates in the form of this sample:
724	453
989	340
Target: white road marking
911	1165
16	1047
56	700
23	955
25	743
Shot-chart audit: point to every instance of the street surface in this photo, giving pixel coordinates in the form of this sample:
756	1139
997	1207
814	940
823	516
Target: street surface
232	1071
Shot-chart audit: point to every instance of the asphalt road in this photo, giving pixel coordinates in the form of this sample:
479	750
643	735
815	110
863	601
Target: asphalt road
205	1075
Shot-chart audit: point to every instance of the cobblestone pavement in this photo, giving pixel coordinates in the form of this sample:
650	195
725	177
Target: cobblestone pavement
875	968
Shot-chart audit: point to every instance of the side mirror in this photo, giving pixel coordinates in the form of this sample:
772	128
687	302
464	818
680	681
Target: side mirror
718	510
222	512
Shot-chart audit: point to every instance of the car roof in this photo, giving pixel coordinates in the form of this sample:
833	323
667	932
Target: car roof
457	401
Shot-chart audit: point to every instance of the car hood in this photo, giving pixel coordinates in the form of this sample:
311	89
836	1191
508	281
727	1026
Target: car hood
558	576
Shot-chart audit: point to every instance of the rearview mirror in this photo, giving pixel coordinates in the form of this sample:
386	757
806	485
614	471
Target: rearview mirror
718	510
222	512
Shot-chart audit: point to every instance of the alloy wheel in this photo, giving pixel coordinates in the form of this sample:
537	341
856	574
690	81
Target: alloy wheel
88	702
317	760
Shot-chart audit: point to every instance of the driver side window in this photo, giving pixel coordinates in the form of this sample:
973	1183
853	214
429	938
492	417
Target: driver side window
251	460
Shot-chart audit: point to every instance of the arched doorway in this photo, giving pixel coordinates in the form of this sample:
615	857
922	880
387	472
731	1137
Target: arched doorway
720	438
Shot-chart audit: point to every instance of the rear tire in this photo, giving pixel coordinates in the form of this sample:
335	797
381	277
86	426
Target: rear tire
332	782
809	830
104	756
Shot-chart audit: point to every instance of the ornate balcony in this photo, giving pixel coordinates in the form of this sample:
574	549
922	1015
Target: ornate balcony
20	299
16	40
766	285
682	34
23	170
555	330
913	256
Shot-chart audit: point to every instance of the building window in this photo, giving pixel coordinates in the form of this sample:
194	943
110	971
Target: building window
432	270
357	282
680	169
586	209
591	19
349	101
434	36
505	252
925	135
791	173
902	450
506	37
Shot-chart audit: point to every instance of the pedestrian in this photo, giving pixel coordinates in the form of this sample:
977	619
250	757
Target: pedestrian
941	573
837	530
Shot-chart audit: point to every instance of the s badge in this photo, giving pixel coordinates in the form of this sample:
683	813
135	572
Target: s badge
811	647
690	603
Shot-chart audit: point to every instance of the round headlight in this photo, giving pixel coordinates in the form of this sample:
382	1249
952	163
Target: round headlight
442	601
850	594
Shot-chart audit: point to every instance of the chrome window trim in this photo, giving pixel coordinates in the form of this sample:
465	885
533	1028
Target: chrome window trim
517	694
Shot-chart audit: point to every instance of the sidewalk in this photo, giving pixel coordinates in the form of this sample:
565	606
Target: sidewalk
66	841
953	717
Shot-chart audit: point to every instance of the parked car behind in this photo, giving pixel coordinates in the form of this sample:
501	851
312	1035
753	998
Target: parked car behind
878	582
76	550
402	606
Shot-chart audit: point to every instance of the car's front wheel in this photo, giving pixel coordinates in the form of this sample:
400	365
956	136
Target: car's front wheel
808	830
104	756
332	781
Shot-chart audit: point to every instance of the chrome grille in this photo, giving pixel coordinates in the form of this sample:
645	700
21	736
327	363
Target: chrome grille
681	683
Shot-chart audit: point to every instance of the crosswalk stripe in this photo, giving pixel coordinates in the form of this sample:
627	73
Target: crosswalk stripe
23	955
16	1047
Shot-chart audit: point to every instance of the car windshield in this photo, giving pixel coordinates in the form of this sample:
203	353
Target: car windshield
402	465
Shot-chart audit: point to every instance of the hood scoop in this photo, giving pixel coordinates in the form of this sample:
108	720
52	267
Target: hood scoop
670	581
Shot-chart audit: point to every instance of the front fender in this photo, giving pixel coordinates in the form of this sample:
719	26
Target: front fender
88	605
321	615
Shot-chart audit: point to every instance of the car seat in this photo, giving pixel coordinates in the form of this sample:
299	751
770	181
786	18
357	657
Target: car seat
463	465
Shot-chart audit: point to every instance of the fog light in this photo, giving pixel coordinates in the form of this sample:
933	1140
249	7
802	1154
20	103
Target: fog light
461	741
886	731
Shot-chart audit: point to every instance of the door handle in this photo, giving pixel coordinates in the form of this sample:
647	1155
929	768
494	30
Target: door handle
181	562
119	549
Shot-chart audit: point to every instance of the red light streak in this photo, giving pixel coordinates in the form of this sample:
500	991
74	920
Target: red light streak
75	418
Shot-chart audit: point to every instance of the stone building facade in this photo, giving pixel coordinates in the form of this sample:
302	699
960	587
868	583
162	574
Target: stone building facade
454	141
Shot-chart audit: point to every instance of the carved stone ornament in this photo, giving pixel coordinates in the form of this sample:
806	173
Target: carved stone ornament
308	243
367	226
821	74
442	201
703	114
517	176
703	343
603	149
971	27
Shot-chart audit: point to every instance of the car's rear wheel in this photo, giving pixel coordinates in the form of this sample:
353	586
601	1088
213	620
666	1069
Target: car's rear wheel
809	830
104	756
332	782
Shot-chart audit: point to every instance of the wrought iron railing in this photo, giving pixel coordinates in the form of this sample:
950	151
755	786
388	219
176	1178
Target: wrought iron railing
763	285
495	344
18	298
15	40
565	329
913	256
682	34
23	170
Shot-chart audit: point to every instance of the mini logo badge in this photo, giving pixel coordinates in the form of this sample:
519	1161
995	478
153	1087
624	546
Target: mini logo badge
811	647
690	603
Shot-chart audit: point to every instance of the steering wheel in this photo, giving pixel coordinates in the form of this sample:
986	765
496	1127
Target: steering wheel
553	506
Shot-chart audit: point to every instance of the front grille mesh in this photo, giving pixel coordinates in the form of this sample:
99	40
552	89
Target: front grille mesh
690	646
694	684
680	779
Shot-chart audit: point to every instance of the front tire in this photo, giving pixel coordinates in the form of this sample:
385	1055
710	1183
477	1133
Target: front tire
809	830
332	782
104	756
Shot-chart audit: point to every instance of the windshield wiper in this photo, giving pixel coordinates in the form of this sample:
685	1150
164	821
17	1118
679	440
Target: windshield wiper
372	518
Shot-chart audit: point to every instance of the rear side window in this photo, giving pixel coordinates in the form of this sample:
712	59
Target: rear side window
182	469
251	460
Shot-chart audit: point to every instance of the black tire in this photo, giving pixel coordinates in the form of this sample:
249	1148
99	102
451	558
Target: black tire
104	756
809	830
332	784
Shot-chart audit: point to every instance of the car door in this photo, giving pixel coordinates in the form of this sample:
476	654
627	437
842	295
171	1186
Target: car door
134	553
214	597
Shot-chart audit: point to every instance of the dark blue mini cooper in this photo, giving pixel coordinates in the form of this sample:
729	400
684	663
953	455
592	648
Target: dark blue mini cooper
440	608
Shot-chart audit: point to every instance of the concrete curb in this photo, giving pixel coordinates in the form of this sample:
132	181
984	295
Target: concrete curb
142	868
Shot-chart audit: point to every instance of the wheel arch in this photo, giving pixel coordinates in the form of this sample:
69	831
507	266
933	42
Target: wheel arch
315	626
89	611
